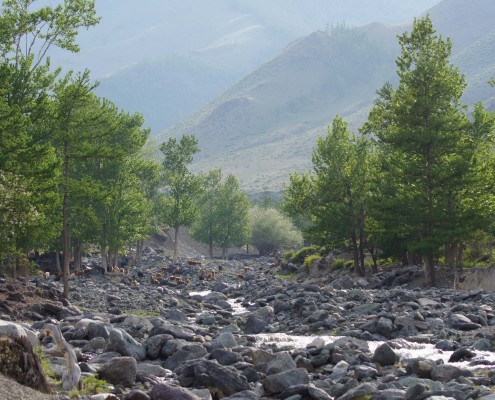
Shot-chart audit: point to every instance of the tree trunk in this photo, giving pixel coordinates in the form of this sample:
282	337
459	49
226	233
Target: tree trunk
450	256
355	252
176	247
57	262
139	251
460	256
374	258
14	266
429	269
361	252
491	250
104	262
77	256
65	224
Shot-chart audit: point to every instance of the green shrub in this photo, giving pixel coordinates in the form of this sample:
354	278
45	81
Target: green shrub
288	255
338	263
309	260
299	257
90	386
349	264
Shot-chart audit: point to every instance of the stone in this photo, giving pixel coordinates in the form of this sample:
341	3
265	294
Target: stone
447	372
225	339
281	381
384	355
185	353
225	357
119	371
154	344
123	343
218	378
137	394
164	391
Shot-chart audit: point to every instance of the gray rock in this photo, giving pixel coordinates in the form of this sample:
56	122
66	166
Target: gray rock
384	355
185	353
220	379
281	362
224	340
277	383
177	331
154	344
98	329
137	394
164	391
153	370
123	343
225	357
447	372
384	327
255	324
119	371
360	392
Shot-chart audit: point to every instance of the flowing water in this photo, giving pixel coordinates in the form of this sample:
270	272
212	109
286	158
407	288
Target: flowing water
406	349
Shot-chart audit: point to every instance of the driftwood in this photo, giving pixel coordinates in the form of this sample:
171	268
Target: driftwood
70	377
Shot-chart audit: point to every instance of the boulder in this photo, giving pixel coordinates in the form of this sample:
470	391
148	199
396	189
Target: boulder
277	383
119	371
384	355
123	343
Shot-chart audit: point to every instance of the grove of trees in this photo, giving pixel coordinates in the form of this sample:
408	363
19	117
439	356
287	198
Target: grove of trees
77	171
417	184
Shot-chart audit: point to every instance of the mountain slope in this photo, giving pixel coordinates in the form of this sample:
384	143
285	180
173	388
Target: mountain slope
265	126
134	49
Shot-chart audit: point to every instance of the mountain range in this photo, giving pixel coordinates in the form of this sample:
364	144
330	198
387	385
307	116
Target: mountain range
167	58
264	127
258	81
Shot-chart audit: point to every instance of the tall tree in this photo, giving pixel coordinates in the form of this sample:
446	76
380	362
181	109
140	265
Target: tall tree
27	33
334	196
427	146
223	213
181	186
232	216
204	228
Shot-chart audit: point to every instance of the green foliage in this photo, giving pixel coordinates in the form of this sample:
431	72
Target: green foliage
46	366
349	264
430	191
338	263
271	230
334	195
223	213
90	386
300	255
178	206
311	259
288	255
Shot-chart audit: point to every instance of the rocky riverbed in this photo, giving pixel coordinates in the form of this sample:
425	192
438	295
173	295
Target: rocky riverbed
240	329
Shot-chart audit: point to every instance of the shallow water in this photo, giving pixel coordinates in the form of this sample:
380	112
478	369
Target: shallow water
403	347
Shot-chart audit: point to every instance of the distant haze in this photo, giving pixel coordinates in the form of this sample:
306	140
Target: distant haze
166	58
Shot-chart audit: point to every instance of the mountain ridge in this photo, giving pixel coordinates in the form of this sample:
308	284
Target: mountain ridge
264	127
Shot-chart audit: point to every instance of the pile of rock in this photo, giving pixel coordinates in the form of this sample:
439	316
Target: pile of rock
163	341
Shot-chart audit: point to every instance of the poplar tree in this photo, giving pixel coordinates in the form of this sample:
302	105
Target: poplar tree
427	148
178	207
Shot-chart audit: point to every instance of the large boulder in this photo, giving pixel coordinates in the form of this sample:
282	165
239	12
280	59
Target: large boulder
277	383
185	353
123	343
119	371
18	359
207	373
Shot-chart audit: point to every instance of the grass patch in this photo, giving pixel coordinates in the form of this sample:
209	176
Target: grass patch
142	313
